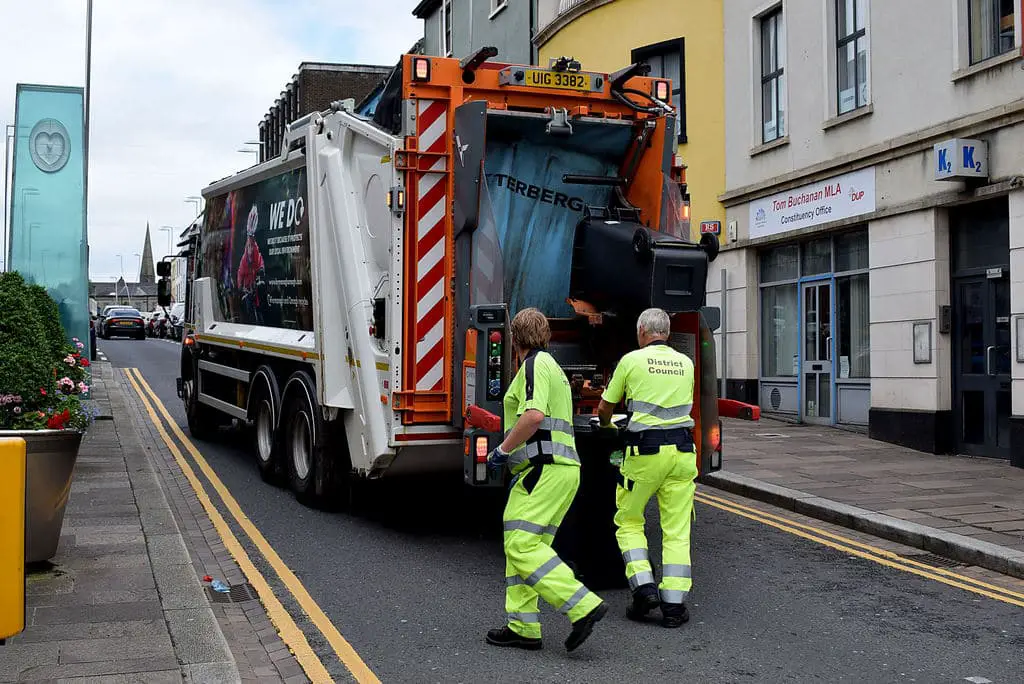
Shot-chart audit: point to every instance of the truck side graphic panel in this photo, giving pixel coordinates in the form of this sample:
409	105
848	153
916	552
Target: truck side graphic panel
256	248
536	213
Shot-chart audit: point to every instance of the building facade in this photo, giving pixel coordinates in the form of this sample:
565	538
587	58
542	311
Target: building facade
874	270
457	28
313	88
682	41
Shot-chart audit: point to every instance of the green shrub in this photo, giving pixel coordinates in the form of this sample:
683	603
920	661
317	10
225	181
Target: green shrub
27	358
49	316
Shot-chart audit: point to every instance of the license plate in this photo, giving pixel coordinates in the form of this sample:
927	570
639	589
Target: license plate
540	78
125	324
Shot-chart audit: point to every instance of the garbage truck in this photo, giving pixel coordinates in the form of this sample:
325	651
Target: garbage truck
350	299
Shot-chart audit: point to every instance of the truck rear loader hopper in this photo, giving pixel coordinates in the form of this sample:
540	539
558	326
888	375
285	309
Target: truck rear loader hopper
350	299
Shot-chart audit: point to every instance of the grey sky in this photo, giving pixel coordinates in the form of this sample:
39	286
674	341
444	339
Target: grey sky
177	87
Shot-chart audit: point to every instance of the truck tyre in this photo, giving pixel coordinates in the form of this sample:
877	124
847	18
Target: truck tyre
316	457
264	411
201	420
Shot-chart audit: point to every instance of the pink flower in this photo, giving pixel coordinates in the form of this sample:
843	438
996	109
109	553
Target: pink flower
79	345
70	360
83	388
17	410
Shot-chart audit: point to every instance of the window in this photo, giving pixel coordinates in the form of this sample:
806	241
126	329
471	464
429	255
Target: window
990	28
851	54
844	255
773	77
668	60
446	28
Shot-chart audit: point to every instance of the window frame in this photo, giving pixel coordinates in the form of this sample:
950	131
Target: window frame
497	6
775	13
800	278
446	27
1018	8
841	42
641	54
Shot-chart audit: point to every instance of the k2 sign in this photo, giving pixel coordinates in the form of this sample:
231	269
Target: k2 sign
961	158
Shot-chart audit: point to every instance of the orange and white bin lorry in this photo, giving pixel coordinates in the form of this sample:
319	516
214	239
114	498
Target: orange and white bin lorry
350	299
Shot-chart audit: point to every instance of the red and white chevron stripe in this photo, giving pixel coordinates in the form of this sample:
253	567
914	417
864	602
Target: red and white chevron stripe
432	205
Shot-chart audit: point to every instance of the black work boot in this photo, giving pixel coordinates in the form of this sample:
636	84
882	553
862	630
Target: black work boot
645	599
504	636
674	615
582	628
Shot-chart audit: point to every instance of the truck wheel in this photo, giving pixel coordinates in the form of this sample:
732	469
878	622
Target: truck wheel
265	404
200	423
316	457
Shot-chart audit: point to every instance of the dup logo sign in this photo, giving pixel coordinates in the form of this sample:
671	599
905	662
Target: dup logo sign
960	159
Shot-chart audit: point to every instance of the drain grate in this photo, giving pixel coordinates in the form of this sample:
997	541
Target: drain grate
934	560
238	593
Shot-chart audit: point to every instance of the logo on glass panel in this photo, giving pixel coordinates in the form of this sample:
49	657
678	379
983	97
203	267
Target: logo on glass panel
49	145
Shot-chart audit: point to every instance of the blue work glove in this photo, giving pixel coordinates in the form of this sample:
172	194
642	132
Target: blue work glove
497	458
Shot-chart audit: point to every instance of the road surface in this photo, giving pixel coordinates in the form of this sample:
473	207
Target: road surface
414	583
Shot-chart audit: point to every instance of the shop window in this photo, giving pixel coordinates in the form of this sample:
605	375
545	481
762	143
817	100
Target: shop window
852	251
816	257
668	60
780	263
852	300
990	28
851	54
779	331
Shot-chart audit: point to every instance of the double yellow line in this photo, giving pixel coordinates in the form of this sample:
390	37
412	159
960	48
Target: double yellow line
290	632
865	551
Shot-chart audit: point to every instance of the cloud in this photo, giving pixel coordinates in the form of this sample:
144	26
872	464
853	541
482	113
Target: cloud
177	87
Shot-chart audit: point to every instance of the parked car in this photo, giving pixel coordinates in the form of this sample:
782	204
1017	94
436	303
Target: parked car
123	322
177	312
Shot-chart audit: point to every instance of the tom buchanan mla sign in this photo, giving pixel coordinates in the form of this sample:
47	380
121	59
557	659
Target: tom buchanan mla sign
834	199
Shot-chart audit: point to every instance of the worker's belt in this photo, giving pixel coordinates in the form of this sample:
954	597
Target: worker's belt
648	442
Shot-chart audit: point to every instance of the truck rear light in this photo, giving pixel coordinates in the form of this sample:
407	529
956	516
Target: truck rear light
481	449
495	354
420	69
661	90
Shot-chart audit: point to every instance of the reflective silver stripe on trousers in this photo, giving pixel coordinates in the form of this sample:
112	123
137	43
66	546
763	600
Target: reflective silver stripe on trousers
640	578
513	580
556	424
533	449
573	600
675	570
524	617
635	555
663	412
634	426
538	574
673	596
532	528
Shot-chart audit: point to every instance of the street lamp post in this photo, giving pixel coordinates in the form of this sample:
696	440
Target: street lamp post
196	200
168	230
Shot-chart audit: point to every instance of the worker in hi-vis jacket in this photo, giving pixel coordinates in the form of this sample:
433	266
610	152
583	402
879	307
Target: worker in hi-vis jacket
657	382
540	450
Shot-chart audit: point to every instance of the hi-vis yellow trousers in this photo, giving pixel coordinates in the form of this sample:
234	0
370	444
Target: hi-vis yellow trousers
668	474
538	502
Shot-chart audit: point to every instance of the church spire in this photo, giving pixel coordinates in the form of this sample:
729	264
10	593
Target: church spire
147	273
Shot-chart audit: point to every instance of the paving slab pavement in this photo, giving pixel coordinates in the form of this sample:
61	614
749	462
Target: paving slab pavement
970	509
123	599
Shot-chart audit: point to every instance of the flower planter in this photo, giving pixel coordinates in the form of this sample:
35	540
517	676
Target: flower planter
50	457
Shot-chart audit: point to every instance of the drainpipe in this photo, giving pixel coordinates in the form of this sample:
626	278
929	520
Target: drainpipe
725	334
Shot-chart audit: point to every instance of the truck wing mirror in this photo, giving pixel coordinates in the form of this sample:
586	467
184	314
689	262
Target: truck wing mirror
163	269
163	292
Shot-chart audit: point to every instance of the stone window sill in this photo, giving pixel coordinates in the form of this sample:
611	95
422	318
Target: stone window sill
767	147
866	110
992	63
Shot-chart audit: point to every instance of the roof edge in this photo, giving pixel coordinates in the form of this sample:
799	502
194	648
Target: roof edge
425	8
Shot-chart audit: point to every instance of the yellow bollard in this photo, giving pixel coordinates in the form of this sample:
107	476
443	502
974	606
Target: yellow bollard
12	537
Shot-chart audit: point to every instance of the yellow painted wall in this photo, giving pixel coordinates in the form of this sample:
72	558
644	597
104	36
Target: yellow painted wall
602	40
